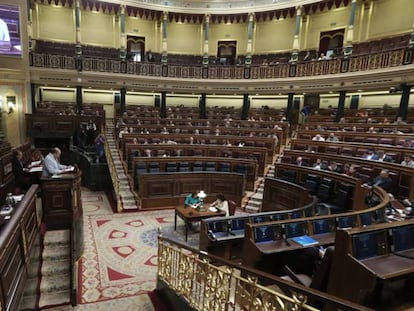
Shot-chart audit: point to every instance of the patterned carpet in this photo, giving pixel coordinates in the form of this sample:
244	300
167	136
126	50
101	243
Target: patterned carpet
120	255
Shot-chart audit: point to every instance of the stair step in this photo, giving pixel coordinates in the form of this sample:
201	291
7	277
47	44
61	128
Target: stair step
252	209
57	237
56	268
257	196
28	303
31	287
56	283
255	204
51	299
55	252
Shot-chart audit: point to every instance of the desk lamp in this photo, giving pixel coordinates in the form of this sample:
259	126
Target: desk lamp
201	195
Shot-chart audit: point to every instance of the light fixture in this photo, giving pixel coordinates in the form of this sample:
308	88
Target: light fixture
201	195
11	103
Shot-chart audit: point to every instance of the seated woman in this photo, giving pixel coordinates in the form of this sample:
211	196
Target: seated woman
192	200
221	203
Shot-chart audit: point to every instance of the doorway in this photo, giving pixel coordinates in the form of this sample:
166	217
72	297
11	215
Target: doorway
226	52
331	42
136	48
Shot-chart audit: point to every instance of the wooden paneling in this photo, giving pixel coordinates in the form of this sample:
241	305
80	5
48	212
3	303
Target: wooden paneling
170	189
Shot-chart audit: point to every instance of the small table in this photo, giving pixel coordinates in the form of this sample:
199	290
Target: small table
189	215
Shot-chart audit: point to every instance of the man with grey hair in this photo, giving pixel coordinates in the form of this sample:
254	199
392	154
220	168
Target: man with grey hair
51	165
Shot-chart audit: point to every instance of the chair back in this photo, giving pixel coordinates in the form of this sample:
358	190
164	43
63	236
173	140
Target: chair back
232	207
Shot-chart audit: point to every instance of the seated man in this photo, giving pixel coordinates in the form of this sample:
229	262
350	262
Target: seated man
20	179
51	165
383	180
192	200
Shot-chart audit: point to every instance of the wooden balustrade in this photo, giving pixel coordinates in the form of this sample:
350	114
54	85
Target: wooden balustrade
257	153
248	167
384	59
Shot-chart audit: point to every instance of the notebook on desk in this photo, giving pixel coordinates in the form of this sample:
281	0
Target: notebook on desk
305	240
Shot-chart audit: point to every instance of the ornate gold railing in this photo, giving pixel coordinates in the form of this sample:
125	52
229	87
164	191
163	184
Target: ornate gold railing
385	59
226	286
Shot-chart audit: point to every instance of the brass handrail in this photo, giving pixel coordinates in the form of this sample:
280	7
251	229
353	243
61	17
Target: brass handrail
228	286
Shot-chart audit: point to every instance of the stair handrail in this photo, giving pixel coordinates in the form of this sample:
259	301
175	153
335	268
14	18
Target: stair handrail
225	285
113	173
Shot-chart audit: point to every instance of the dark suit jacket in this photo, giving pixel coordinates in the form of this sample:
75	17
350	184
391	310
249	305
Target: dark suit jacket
17	167
384	183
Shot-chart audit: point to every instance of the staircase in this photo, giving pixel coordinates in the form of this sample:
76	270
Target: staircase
125	195
55	273
254	204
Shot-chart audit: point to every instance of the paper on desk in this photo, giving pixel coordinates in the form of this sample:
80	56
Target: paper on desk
36	169
36	163
213	209
18	198
69	169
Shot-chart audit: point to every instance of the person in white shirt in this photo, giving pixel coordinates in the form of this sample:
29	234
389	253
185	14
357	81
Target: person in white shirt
4	34
408	161
318	137
51	165
221	204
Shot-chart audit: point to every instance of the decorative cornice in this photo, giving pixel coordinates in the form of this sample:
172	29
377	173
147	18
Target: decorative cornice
194	11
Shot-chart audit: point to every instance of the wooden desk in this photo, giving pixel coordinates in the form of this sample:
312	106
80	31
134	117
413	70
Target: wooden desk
189	215
364	261
389	266
286	245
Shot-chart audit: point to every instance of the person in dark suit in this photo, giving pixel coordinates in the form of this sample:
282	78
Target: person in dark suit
382	156
383	180
21	180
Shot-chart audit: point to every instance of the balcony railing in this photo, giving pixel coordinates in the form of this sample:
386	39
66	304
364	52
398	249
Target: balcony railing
380	60
225	286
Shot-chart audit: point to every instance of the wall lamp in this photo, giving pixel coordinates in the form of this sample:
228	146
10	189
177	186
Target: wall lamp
11	103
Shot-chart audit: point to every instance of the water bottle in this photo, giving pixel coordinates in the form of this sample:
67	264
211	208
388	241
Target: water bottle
10	201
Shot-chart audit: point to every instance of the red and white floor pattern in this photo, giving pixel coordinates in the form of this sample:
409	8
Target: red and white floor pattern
120	255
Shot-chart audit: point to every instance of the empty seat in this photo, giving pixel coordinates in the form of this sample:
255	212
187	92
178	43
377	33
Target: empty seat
198	167
171	167
325	189
347	152
184	167
345	222
312	183
367	219
289	176
332	149
242	169
371	140
154	168
385	141
140	168
341	199
225	167
232	207
211	166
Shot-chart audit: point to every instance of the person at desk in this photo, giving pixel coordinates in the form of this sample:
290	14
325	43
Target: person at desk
192	200
221	204
383	180
51	165
21	180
